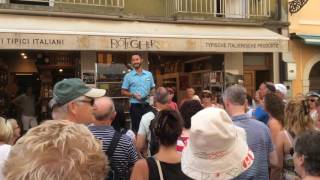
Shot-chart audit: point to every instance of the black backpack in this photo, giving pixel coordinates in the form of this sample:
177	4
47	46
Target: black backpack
154	143
113	173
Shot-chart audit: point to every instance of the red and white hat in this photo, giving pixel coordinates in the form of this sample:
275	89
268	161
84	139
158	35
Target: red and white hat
217	148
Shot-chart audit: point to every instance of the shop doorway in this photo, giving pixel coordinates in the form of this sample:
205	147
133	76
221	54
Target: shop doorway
314	77
38	69
253	79
28	80
249	78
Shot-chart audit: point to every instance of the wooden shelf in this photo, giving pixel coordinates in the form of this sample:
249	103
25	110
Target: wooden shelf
56	66
200	71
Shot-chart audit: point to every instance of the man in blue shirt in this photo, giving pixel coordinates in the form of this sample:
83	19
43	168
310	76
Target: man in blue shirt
138	84
258	134
260	114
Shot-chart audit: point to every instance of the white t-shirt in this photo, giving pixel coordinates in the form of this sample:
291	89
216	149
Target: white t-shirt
4	153
144	126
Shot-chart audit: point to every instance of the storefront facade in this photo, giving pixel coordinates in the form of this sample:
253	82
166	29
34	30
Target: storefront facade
244	49
305	47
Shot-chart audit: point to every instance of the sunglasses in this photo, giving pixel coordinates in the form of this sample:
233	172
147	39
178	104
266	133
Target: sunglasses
291	151
91	101
312	100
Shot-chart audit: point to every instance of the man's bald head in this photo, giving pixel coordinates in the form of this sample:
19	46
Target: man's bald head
103	108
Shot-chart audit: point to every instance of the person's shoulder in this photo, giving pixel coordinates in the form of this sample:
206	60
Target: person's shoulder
5	147
146	72
129	74
148	116
258	123
101	130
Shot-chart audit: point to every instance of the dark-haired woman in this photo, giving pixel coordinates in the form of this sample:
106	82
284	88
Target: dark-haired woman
119	124
166	163
274	106
187	110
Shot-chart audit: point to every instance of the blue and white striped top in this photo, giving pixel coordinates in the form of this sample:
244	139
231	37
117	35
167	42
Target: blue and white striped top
125	154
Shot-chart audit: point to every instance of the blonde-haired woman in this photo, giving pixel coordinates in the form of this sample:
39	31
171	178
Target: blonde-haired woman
57	149
16	130
6	134
297	121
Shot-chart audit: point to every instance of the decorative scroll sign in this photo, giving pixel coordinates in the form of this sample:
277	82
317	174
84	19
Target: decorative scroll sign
296	5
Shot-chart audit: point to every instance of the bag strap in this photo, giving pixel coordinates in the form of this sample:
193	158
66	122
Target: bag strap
159	169
288	135
114	142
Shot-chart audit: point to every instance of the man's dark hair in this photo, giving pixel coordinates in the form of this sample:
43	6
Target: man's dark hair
275	106
249	99
168	127
270	86
308	144
188	109
161	95
136	54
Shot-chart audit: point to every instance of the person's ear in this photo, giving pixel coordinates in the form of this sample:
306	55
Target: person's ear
113	115
246	103
72	107
300	160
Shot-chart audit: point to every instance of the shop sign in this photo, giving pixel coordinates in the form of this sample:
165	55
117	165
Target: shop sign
35	41
134	43
101	43
88	77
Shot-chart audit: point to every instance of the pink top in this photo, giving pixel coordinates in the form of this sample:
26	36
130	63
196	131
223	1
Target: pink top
173	106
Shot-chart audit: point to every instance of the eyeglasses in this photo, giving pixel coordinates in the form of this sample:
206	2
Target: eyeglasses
91	101
312	100
291	151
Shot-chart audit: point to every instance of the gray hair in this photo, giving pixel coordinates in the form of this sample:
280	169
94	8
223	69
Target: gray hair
61	112
236	94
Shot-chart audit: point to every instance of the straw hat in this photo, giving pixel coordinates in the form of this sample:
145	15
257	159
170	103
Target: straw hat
217	148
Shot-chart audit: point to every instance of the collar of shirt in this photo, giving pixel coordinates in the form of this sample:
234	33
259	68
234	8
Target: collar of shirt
240	117
135	72
102	127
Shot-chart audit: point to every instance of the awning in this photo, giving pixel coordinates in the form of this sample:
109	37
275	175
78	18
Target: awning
310	39
60	33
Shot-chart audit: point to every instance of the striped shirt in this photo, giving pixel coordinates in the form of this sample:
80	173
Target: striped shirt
259	141
125	154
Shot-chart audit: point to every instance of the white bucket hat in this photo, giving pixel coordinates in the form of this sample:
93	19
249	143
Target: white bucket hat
217	148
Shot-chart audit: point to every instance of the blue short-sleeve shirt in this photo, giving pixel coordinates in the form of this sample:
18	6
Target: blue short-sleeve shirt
138	83
259	141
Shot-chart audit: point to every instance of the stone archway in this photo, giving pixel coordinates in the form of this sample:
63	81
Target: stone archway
307	70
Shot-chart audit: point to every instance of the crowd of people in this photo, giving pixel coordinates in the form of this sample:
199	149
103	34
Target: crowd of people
270	136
